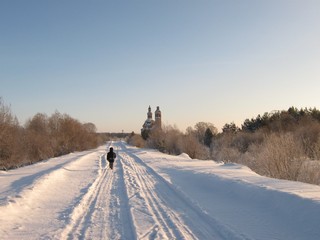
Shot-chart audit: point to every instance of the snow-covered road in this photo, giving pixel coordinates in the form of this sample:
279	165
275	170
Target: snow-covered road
150	195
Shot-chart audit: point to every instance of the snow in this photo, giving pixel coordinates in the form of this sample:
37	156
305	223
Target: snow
151	195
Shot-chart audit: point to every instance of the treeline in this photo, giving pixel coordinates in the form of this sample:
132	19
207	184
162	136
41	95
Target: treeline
41	137
281	144
113	136
195	141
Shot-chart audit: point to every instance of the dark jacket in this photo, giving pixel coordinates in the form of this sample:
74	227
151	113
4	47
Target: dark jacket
111	156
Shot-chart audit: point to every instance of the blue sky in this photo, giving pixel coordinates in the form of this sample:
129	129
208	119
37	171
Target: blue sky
106	61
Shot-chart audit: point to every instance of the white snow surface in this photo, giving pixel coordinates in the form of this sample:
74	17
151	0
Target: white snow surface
151	195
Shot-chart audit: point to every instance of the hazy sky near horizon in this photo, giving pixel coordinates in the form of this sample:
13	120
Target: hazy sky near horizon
105	61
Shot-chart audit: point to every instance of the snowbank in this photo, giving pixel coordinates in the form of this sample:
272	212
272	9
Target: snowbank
151	195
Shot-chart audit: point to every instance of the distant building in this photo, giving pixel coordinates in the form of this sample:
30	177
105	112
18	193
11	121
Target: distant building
157	115
151	124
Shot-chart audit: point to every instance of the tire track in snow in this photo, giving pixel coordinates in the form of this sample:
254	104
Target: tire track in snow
164	223
92	208
103	211
173	214
39	200
120	201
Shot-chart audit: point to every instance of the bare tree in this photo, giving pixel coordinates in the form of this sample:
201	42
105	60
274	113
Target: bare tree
11	137
201	128
38	138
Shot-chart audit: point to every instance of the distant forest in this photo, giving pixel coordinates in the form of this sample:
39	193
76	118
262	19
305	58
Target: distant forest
281	144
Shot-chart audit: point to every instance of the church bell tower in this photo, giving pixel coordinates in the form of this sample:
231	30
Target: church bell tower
149	114
158	117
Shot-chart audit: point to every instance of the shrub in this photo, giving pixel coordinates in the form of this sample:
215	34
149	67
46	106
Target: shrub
136	140
280	156
190	145
310	172
173	138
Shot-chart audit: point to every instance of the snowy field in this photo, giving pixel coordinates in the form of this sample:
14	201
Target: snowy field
150	195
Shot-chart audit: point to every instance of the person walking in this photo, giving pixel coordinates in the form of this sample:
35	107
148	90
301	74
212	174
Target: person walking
111	156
